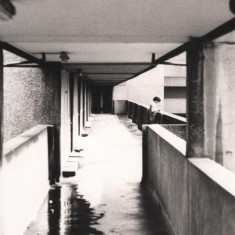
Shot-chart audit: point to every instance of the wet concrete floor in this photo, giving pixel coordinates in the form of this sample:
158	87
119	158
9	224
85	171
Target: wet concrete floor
105	196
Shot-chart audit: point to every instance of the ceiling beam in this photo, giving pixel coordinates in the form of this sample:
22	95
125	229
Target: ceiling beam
107	63
223	29
106	80
107	73
171	54
8	47
44	65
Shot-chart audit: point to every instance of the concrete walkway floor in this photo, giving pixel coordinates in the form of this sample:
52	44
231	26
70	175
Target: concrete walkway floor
105	196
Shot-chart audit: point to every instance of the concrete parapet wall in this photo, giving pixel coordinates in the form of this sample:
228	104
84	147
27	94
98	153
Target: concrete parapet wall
212	198
139	115
198	195
23	179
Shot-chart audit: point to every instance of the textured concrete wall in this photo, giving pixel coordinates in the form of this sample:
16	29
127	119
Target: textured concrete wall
198	194
167	176
23	189
211	197
31	97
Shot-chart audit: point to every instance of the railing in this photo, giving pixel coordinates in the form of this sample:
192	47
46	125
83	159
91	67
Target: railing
24	177
139	114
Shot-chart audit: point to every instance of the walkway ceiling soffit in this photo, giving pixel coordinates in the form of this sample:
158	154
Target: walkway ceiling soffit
118	46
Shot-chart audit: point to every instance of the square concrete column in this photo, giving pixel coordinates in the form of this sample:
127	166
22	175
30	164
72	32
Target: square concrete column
219	103
211	102
195	109
81	103
75	109
144	154
89	100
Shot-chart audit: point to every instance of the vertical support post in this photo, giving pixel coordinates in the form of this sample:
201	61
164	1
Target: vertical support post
85	102
195	110
1	102
65	121
88	101
75	109
51	155
144	154
219	103
81	105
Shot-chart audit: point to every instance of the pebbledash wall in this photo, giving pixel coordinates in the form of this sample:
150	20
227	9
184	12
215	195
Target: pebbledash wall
31	153
31	97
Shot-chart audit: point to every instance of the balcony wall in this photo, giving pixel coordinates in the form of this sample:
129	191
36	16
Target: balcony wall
24	178
198	195
32	96
139	115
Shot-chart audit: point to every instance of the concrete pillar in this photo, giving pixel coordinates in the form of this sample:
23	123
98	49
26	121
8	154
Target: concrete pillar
85	101
1	102
144	154
75	109
81	104
65	119
88	101
195	110
211	102
101	100
219	103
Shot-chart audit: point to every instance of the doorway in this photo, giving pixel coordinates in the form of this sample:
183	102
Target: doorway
102	99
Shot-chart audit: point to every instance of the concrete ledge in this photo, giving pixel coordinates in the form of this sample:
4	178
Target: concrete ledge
173	116
18	142
178	143
24	179
139	115
217	173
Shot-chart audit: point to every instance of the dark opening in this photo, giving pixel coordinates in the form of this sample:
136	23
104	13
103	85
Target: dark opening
102	99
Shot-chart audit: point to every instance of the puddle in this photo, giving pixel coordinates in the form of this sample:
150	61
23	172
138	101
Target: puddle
67	213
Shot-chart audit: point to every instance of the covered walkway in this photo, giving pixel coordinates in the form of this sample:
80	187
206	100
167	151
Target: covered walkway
105	196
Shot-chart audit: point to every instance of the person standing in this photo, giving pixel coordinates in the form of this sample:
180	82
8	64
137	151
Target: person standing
154	108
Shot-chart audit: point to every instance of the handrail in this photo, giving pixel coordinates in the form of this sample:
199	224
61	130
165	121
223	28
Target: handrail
182	119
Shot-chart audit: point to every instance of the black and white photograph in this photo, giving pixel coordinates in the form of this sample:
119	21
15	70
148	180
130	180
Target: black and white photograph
117	117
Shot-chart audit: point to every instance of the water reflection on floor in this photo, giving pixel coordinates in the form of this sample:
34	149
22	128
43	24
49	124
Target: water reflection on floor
105	196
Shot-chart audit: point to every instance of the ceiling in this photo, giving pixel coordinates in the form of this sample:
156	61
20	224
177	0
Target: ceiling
110	40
